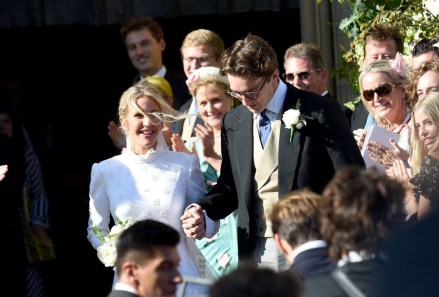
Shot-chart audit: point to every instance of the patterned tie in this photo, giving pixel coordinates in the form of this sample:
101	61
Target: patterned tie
264	127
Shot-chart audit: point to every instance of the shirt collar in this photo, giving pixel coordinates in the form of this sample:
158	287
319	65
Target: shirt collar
124	287
161	72
274	107
313	244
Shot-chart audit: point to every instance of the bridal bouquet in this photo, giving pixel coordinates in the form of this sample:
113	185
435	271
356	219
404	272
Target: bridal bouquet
107	251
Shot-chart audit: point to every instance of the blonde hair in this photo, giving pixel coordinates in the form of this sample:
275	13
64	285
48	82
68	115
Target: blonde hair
430	106
383	66
162	83
204	37
144	89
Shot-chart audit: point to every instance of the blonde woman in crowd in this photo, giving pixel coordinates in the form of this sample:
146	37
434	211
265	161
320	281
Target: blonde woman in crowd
210	90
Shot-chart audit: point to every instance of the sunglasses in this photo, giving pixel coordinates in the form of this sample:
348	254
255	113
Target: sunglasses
383	90
304	75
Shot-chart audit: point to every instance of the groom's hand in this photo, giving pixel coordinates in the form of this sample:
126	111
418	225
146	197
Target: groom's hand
194	222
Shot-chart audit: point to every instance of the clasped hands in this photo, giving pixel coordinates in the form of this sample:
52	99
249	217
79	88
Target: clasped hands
194	222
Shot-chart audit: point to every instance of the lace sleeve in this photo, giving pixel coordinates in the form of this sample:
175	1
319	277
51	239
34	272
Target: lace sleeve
426	182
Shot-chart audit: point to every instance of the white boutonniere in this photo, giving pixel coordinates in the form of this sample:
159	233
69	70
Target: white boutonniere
294	119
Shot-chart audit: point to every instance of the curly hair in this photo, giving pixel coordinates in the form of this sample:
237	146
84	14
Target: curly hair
416	75
360	208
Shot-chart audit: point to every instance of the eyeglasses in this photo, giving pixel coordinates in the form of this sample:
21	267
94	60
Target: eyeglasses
383	90
248	95
304	75
200	60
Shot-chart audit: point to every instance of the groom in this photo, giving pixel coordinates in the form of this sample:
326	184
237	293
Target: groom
253	174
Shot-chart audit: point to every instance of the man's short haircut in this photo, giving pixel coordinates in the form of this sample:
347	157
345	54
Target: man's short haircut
144	238
295	217
251	281
204	37
425	45
139	23
308	51
383	32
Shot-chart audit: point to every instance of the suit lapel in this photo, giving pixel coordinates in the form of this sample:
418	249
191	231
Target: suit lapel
244	150
288	152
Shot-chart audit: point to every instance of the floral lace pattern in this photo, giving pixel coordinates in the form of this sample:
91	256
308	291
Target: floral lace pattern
426	182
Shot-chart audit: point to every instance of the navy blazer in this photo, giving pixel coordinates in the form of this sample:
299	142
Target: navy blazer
323	146
312	262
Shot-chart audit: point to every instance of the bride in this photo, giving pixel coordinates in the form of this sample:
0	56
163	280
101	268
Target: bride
147	180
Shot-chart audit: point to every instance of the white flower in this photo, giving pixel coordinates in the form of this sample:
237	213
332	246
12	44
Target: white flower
107	254
107	251
293	119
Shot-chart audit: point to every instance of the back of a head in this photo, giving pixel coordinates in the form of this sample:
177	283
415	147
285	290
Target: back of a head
204	37
308	51
295	217
360	208
139	23
249	57
251	281
144	237
160	82
383	32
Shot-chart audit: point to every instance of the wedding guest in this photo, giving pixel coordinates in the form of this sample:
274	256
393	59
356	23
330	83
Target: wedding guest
424	50
210	88
148	180
382	85
306	70
381	42
33	206
145	42
425	154
200	48
262	157
147	261
425	79
356	242
296	228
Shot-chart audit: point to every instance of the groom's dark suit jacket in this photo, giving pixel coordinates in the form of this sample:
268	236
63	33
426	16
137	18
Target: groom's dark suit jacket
323	146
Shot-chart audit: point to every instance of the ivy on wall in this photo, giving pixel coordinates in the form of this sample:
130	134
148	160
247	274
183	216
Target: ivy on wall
416	19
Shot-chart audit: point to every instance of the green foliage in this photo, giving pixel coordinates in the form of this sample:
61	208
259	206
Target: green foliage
412	17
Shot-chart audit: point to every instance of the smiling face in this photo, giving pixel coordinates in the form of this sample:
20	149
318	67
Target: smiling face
426	129
390	106
378	50
159	276
144	51
316	82
212	103
142	129
427	83
198	56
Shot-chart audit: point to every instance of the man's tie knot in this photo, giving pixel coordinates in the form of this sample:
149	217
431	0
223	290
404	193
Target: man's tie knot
264	127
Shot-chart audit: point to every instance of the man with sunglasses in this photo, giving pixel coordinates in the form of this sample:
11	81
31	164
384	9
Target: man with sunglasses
306	70
254	175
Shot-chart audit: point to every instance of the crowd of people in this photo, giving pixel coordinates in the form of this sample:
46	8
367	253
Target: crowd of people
249	176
